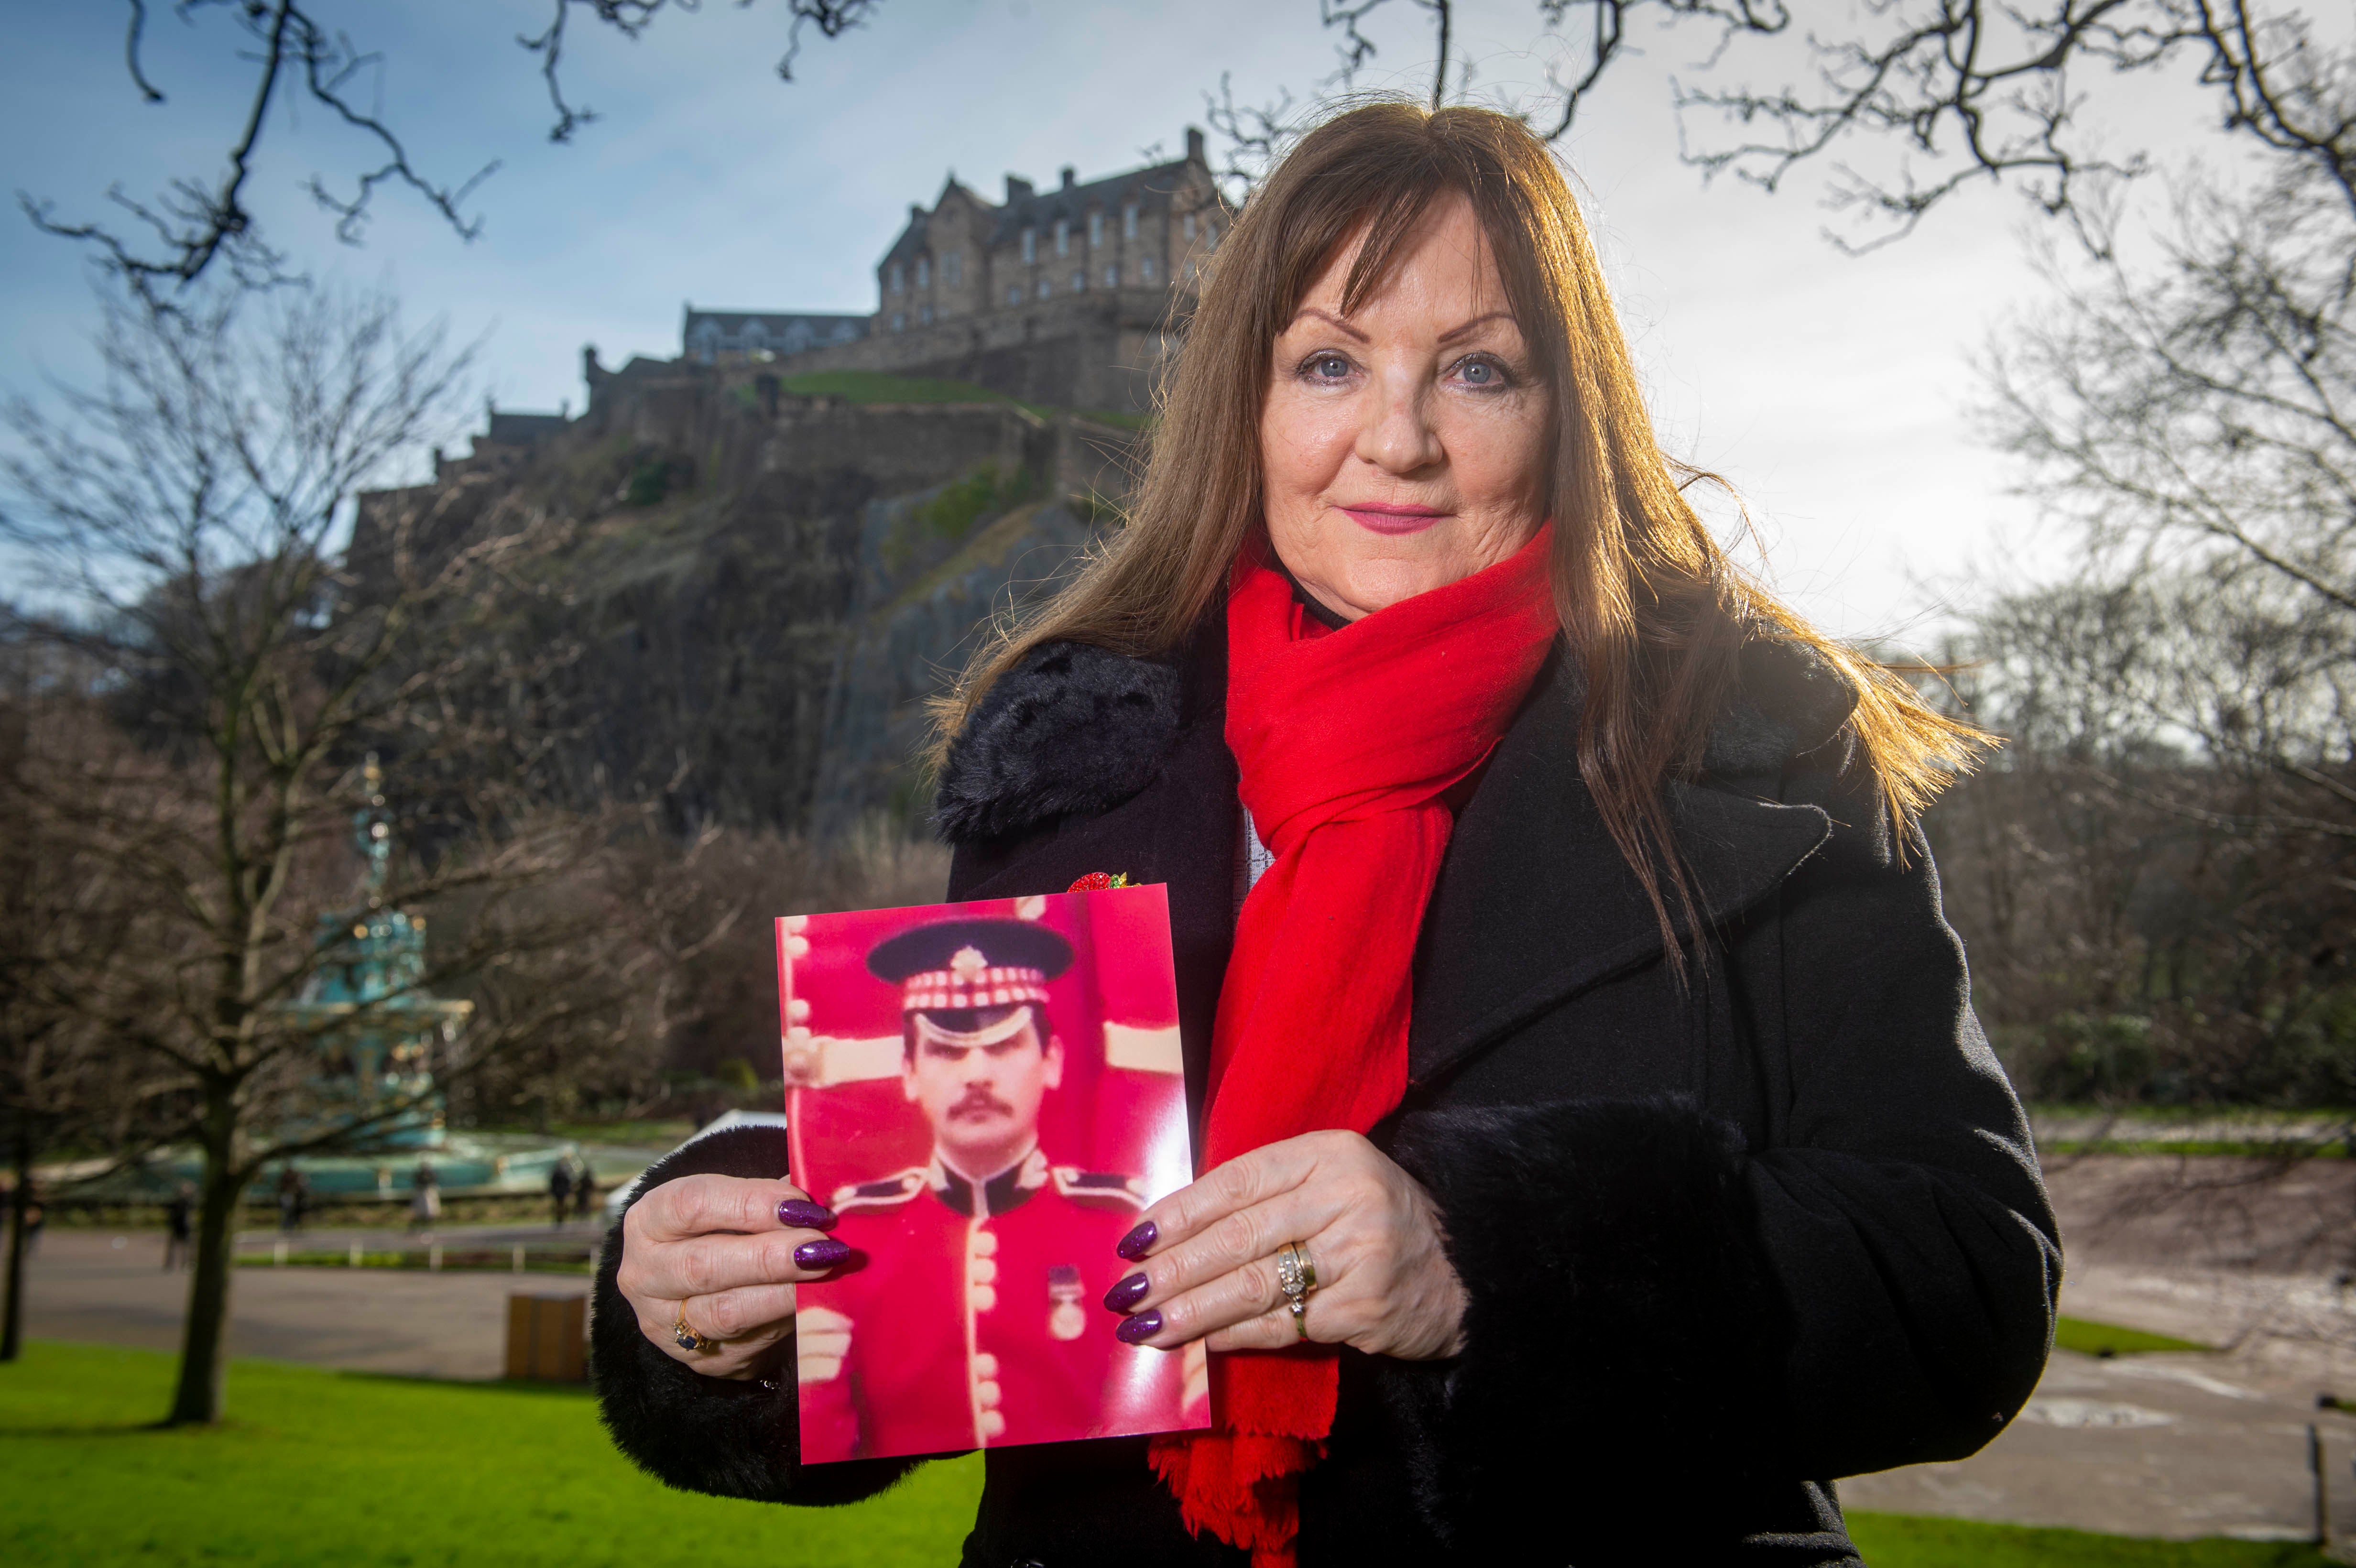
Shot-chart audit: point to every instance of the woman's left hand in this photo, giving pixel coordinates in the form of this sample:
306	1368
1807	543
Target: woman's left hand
1373	1234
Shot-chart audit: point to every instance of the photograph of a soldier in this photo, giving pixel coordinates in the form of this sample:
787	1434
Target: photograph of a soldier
986	1098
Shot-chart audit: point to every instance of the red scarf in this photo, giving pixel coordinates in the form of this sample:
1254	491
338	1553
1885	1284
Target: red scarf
1347	744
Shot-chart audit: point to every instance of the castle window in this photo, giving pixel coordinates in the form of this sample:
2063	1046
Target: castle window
1046	288
1079	281
1190	225
1145	269
899	323
1129	221
950	270
925	315
1112	276
891	276
1063	237
924	272
1014	294
1096	228
1029	246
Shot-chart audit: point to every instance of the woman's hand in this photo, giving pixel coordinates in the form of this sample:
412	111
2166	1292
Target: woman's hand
1384	1284
721	1254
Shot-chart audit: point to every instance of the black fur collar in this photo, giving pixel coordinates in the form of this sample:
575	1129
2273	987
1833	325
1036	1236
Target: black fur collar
1789	702
1072	728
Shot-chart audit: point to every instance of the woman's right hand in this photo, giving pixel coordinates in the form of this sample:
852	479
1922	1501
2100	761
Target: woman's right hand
724	1253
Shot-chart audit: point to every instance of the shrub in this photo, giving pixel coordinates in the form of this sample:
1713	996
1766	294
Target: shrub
951	513
649	481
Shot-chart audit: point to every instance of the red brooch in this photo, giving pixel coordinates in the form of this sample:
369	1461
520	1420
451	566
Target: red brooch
1098	882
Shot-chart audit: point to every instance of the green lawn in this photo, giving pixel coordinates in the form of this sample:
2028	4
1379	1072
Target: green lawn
2091	1338
1899	1541
346	1469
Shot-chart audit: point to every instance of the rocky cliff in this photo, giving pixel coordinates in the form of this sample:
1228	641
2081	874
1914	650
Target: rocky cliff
762	584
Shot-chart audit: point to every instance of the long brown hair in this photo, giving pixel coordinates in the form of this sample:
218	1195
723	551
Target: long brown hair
1651	607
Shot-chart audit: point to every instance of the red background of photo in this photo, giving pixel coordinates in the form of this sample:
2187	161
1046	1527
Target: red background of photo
1101	1118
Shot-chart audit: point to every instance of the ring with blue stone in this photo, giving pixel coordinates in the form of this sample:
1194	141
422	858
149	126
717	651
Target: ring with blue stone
687	1338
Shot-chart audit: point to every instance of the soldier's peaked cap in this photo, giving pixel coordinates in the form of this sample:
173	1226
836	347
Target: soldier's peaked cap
964	963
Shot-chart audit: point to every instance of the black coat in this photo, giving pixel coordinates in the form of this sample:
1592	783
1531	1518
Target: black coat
1722	1243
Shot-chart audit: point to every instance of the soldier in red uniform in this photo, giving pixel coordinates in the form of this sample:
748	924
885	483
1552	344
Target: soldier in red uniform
970	1323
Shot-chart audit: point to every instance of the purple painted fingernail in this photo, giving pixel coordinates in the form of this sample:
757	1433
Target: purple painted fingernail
824	1253
1140	1241
1127	1294
1137	1330
799	1214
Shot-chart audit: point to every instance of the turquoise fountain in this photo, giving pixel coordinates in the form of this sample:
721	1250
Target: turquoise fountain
380	1031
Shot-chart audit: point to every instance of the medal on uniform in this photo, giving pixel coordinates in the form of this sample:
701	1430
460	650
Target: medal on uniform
1065	1319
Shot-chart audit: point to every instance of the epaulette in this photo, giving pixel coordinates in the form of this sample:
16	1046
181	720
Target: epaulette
1100	1189
885	1194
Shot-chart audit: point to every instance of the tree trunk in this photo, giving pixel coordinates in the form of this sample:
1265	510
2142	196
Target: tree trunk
203	1368
20	1203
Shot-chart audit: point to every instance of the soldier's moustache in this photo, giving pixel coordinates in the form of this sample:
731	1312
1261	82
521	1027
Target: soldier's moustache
980	1102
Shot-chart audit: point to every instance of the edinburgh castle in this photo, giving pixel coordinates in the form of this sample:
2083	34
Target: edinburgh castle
1064	297
788	538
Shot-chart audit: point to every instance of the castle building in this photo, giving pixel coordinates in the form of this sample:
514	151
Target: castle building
746	336
1064	296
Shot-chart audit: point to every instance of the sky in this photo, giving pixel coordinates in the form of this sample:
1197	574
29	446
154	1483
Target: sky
1833	391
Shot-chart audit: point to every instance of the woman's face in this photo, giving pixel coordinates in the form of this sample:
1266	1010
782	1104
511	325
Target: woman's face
1403	447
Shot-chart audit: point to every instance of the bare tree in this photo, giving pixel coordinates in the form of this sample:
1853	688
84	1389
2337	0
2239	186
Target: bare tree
2195	419
63	921
1945	93
1966	91
294	61
2172	839
193	506
2149	916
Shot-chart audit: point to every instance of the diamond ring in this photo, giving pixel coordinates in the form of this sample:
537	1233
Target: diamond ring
1296	1275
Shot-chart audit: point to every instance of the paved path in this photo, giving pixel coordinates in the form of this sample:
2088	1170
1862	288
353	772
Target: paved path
2177	1445
2240	1253
84	1285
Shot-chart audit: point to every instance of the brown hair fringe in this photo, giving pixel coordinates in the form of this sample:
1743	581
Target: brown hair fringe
1651	607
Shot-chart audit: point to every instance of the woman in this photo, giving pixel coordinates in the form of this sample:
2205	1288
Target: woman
1561	965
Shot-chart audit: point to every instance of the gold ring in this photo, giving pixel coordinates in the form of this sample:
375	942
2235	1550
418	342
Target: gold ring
1296	1275
687	1338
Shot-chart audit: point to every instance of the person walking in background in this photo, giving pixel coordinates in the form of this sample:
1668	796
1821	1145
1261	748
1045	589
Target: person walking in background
584	1188
177	1229
425	1197
294	1198
560	1191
